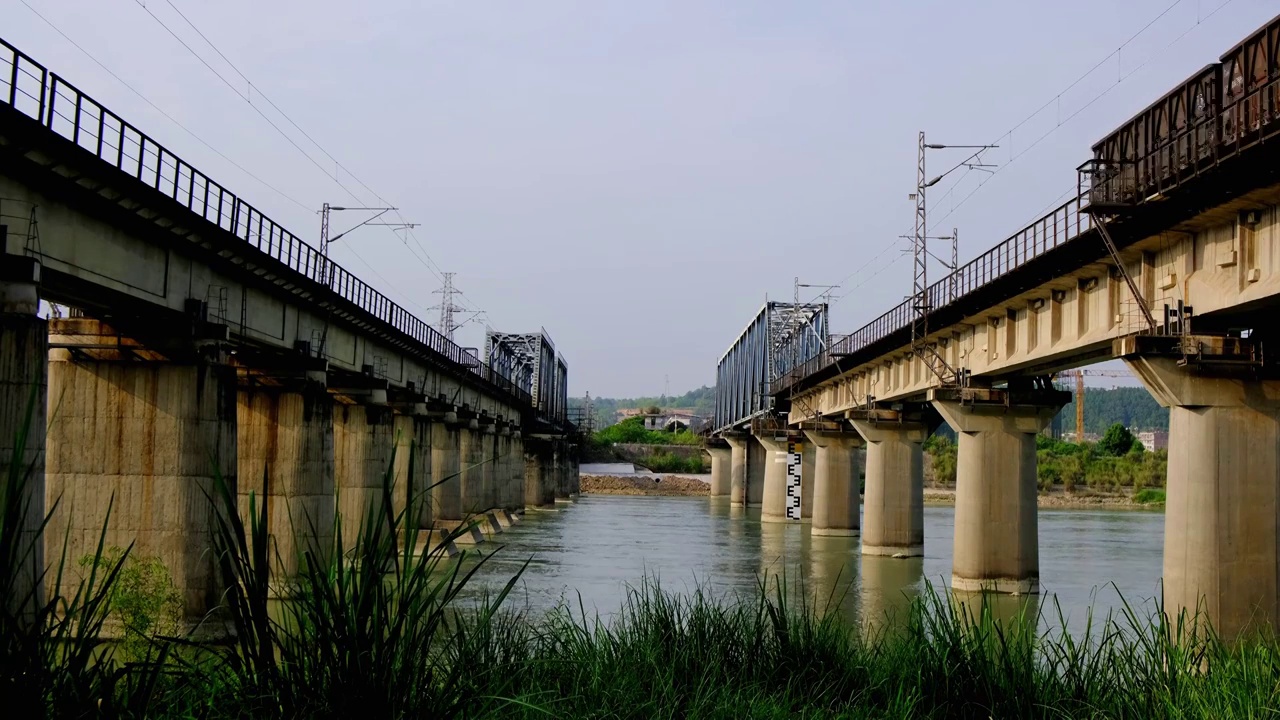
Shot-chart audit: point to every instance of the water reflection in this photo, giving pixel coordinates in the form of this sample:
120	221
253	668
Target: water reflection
889	586
596	548
833	574
1004	610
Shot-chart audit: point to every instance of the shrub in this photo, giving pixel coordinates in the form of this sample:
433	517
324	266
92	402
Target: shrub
1116	441
1150	496
143	600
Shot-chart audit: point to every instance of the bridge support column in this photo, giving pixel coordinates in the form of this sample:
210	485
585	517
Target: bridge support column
773	507
446	453
24	361
996	545
413	469
471	447
894	525
835	487
561	460
285	458
363	442
145	438
739	449
513	471
1222	537
721	470
539	491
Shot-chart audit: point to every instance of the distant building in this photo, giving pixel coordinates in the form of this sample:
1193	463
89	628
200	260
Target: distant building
1090	437
1154	439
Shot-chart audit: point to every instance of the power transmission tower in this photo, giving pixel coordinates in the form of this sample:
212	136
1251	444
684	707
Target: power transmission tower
447	305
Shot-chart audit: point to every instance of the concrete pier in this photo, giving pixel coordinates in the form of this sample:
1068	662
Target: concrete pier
773	507
23	387
739	449
145	439
413	469
471	446
894	522
835	489
446	452
285	458
758	460
721	470
539	478
996	545
561	470
363	442
1221	537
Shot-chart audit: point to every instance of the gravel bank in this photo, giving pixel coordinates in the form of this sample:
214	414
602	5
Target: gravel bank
643	485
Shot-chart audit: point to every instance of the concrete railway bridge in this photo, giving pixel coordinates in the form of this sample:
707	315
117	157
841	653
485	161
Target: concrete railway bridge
204	338
1169	259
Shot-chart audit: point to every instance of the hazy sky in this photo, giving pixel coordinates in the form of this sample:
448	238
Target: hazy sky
635	176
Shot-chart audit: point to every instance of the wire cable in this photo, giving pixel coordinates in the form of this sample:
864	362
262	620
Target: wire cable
1062	121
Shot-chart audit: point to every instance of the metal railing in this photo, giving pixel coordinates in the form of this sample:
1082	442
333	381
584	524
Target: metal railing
28	87
1057	227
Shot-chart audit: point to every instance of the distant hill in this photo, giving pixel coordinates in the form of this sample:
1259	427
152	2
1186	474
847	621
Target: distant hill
702	401
1132	407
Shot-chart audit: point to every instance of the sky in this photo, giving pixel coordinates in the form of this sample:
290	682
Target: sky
634	177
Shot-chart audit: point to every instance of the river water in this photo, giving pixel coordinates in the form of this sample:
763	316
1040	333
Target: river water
590	551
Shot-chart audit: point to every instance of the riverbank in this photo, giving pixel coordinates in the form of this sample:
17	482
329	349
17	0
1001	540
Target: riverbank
654	485
1057	498
660	485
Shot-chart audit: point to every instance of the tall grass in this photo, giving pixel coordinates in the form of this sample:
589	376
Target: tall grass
381	629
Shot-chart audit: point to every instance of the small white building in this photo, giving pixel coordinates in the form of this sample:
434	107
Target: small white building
1154	439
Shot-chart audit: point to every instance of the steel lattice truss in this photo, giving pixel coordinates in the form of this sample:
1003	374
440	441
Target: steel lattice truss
780	337
532	363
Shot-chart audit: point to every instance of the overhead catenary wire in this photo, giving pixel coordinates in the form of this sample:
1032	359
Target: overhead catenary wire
420	254
404	297
1056	99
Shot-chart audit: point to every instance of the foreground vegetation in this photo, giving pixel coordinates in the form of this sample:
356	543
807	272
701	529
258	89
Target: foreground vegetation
376	630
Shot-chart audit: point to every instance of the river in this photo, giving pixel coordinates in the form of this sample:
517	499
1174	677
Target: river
595	548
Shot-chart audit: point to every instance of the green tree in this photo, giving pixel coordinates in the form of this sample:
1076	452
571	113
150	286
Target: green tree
1117	441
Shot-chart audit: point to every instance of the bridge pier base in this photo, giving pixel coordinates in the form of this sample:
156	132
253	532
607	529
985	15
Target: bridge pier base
471	447
285	458
364	438
894	525
739	449
561	470
413	469
24	362
835	496
446	452
145	435
539	474
721	470
996	545
1222	538
773	506
512	449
